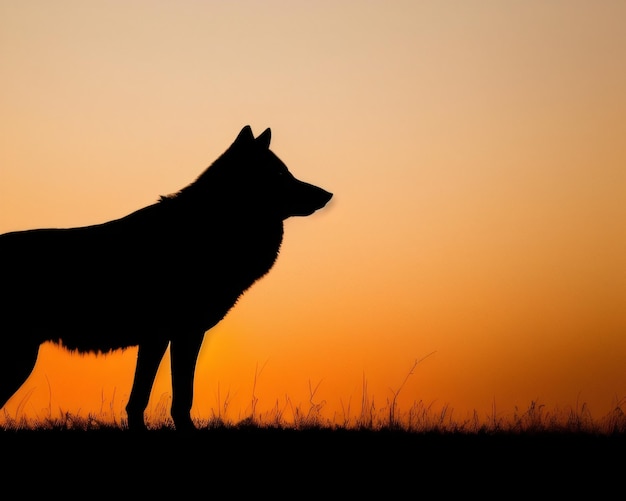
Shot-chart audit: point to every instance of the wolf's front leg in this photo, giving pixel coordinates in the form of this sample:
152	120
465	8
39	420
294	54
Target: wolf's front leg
149	357
183	353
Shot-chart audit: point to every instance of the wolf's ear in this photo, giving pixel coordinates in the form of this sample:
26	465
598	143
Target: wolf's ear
264	138
245	135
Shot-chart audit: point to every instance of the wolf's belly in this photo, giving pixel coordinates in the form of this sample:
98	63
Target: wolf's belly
102	322
99	298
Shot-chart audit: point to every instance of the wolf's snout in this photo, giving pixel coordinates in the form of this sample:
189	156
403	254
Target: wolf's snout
304	199
318	197
325	197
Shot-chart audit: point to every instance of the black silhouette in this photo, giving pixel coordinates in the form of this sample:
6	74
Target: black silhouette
160	276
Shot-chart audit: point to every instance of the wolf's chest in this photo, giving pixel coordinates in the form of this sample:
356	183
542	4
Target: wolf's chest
233	257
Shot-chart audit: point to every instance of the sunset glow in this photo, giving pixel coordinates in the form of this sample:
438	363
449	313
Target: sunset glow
477	156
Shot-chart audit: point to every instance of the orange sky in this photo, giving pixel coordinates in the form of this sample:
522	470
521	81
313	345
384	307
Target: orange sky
477	156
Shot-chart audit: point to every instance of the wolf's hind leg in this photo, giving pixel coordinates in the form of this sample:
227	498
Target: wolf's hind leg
149	357
17	361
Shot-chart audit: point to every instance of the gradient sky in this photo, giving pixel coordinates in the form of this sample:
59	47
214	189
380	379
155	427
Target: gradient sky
476	150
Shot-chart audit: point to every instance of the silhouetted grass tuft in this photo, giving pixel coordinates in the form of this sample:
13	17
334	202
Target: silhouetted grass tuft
418	419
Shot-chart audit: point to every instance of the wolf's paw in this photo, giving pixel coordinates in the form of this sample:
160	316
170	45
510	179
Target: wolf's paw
184	425
136	424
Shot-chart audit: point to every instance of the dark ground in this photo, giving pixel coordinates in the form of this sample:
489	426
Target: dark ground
317	463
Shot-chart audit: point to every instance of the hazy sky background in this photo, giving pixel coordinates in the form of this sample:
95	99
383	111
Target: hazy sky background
477	154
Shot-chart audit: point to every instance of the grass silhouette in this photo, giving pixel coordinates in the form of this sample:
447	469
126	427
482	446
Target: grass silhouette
419	418
536	418
382	450
370	451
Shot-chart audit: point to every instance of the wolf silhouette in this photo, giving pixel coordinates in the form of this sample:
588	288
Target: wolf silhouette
161	276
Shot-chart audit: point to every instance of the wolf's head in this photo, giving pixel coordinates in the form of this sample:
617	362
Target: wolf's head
250	178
